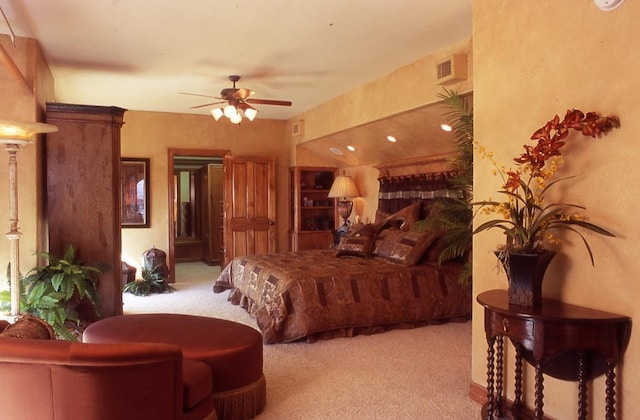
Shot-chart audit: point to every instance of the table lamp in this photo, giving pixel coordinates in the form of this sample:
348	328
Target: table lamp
344	188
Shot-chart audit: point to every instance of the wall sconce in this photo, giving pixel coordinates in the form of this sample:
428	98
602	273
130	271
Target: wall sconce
14	134
343	188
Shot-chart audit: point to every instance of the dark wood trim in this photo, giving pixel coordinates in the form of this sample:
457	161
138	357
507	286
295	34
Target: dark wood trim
85	109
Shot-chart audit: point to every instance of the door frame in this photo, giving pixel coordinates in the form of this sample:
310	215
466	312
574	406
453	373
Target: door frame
172	152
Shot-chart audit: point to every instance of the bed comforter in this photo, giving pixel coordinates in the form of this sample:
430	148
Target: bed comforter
314	294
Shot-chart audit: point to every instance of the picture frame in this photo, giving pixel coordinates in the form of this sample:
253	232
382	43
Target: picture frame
134	192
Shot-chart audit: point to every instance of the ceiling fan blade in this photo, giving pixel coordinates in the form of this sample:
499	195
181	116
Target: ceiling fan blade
197	94
268	102
243	93
209	104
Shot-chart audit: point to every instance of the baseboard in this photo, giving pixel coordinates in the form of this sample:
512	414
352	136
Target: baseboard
478	393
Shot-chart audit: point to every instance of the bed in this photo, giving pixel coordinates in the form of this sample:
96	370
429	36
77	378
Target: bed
381	276
321	294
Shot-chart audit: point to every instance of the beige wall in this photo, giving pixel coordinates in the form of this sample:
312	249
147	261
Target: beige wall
533	60
151	134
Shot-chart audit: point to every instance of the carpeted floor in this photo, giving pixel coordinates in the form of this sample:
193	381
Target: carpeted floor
421	373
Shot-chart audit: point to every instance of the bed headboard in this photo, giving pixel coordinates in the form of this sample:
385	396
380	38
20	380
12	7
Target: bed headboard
406	182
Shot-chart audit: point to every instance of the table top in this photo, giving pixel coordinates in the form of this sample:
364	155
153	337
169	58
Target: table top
550	309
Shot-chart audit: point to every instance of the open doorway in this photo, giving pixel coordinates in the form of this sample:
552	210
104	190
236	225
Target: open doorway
196	191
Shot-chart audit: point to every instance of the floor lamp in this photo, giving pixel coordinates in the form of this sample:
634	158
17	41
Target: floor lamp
14	134
344	188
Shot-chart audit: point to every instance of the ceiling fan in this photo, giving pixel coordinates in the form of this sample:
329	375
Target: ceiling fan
238	102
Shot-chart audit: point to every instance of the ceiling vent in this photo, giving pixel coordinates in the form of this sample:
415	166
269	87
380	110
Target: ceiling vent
452	69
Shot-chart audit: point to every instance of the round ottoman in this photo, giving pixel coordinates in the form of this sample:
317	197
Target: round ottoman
233	351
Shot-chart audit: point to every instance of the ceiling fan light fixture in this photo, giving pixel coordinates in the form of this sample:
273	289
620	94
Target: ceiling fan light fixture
217	113
230	111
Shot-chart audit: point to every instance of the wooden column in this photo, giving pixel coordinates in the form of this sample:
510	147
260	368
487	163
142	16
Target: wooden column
83	193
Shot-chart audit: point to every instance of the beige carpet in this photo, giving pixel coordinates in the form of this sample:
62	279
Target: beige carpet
421	373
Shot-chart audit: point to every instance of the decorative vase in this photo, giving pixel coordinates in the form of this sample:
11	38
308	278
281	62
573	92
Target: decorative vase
525	273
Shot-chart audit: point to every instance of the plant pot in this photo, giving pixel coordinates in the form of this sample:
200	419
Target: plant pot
525	273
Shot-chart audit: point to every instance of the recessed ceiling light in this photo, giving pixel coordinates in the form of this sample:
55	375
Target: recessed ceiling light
336	151
392	139
351	148
446	127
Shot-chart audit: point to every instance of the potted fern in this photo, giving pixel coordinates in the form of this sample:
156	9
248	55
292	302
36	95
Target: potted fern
54	292
153	281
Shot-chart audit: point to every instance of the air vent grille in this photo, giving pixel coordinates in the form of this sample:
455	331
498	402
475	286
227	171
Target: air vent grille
452	69
444	69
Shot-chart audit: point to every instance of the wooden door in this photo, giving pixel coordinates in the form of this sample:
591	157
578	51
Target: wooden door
249	206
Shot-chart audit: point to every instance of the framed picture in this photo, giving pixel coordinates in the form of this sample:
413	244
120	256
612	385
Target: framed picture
134	188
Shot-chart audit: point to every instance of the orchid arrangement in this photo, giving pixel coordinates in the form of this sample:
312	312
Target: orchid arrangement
525	218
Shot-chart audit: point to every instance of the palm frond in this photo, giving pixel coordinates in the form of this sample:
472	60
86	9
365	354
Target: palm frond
454	216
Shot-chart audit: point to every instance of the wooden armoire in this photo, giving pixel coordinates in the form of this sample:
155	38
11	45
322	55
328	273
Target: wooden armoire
83	191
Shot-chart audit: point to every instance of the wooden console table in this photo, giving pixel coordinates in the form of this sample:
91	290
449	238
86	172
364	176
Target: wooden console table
564	341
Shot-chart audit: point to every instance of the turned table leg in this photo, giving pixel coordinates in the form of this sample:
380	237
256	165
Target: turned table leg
611	391
490	370
517	402
499	377
539	414
582	387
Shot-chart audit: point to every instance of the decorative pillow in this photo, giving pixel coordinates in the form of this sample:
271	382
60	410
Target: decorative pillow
402	219
357	243
402	247
362	229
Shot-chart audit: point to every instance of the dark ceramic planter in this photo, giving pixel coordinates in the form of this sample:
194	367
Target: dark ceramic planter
525	273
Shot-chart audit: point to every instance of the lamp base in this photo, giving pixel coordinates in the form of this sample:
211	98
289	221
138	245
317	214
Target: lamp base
344	228
344	210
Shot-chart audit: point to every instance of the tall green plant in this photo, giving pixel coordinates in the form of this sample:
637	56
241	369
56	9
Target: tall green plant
454	215
54	291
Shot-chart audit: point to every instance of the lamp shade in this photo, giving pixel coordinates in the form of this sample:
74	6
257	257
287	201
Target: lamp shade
217	113
250	113
230	111
20	132
236	119
343	187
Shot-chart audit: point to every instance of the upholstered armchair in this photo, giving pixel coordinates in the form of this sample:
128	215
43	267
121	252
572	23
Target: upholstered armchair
55	379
